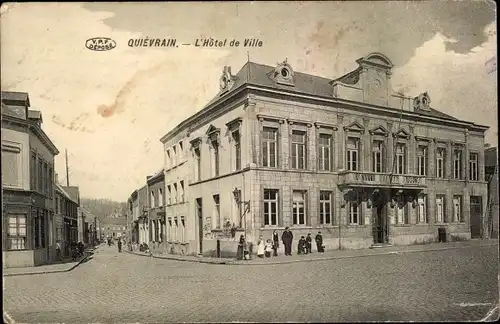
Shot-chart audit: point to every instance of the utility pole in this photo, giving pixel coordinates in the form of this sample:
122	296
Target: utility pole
67	169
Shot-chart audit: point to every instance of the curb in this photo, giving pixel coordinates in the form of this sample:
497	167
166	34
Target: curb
49	271
242	263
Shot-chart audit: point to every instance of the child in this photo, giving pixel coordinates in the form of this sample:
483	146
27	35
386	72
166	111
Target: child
269	248
302	245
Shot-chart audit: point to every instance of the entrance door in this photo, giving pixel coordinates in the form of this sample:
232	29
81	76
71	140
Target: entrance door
380	224
200	223
476	216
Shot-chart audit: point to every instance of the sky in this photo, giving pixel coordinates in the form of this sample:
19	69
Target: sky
109	109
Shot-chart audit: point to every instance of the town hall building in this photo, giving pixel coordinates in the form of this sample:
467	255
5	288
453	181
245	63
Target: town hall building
348	157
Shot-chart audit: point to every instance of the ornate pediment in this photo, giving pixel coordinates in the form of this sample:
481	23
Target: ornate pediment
283	74
195	142
379	130
212	129
401	133
354	127
226	79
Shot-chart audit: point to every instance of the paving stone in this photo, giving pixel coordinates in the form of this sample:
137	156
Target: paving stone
122	287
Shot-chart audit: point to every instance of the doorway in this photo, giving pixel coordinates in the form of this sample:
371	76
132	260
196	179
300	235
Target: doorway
199	212
380	223
476	216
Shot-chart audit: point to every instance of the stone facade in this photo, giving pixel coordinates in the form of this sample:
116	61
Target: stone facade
348	157
156	212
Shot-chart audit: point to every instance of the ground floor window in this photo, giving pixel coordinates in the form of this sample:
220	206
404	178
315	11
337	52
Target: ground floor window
354	210
440	210
325	207
457	209
299	207
270	207
422	209
16	234
401	211
183	229
169	229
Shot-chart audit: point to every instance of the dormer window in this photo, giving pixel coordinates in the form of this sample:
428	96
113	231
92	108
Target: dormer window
283	74
422	102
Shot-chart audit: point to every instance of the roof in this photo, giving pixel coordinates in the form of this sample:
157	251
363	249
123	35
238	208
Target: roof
16	96
157	176
35	114
113	220
74	192
261	75
65	193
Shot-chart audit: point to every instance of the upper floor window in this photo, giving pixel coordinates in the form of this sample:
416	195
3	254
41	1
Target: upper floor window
169	195
440	158
352	154
354	211
422	160
217	211
197	153
182	191
46	180
11	165
270	147
174	156
270	207
325	207
33	172
160	197
152	199
457	164
325	152
181	151
298	141
377	161
169	159
216	158
237	150
400	159
473	167
299	207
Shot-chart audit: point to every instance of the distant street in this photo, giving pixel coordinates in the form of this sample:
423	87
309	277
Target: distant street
451	285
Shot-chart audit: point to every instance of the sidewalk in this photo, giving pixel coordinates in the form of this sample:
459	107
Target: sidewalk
49	268
329	255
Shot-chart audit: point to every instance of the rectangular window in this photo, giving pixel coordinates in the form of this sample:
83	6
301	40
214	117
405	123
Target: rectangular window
181	151
217	211
270	207
215	146
10	165
46	179
169	159
152	199
440	158
457	209
182	191
457	164
40	176
169	195
51	182
237	203
237	150
401	159
174	194
422	160
352	154
299	207
176	229
174	155
183	229
325	152
325	207
16	234
422	209
197	152
269	147
298	141
473	169
440	217
169	230
160	197
33	173
401	211
354	213
377	150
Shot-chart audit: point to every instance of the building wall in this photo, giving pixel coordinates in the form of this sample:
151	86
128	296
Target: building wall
17	137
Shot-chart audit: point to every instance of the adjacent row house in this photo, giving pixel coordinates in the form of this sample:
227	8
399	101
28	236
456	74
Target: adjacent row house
66	219
349	156
27	185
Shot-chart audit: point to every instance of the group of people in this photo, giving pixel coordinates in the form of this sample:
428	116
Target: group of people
270	246
76	250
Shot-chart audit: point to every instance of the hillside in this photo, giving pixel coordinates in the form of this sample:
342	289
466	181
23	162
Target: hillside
104	207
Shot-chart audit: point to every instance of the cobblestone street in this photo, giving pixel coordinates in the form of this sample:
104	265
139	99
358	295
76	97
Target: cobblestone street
455	284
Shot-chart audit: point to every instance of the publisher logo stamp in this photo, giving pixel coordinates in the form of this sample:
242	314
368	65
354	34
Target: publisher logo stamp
100	44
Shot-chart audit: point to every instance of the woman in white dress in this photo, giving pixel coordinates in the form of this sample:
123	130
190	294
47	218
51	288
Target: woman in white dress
261	245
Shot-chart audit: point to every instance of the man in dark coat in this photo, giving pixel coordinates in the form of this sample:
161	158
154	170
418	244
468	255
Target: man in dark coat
276	243
309	243
287	238
319	242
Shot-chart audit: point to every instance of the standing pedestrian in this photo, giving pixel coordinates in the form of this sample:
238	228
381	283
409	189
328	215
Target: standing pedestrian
261	246
309	243
287	238
58	250
241	244
119	245
269	248
319	242
276	243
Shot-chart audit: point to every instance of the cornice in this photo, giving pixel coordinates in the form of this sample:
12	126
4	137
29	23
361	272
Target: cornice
291	121
262	117
326	125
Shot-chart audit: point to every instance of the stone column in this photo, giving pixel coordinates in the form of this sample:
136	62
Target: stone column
465	159
449	161
411	151
340	144
366	147
390	148
311	148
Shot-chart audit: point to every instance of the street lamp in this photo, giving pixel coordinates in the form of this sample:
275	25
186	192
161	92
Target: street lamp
242	205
